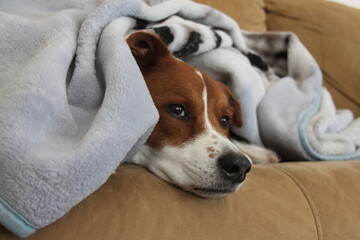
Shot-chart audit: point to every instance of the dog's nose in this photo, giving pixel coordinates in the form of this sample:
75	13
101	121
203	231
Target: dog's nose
235	166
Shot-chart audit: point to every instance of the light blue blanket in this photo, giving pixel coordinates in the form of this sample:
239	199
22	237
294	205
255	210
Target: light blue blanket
277	82
73	103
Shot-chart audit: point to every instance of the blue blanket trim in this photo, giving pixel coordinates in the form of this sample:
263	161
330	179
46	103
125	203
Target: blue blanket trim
305	142
13	221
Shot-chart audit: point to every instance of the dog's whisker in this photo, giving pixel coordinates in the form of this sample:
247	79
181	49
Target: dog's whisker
191	175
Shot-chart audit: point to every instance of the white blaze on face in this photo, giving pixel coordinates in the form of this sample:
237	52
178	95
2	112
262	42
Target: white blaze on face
209	129
193	163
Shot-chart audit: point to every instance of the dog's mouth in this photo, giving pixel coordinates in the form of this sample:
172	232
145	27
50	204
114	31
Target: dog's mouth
213	191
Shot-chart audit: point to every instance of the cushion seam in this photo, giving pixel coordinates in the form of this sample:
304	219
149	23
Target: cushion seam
307	198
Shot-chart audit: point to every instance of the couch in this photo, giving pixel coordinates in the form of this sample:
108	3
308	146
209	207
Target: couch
297	200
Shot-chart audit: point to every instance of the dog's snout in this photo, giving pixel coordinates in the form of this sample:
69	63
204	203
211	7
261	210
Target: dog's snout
235	166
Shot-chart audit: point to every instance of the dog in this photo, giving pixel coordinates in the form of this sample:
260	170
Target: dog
190	146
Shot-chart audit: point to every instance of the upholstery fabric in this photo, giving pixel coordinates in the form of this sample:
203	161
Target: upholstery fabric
313	200
249	14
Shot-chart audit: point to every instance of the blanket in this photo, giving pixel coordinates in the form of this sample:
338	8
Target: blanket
74	104
277	82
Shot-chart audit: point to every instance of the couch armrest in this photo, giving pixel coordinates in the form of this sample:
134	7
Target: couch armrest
313	200
332	34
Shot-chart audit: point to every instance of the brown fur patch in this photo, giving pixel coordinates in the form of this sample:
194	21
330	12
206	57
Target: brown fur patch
212	155
221	102
210	149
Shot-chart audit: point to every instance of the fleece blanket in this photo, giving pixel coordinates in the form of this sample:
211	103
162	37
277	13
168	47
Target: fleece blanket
277	82
74	104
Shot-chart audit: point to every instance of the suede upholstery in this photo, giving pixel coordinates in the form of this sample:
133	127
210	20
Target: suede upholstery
317	200
311	200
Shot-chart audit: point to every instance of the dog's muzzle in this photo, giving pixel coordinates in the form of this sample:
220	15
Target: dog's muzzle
234	167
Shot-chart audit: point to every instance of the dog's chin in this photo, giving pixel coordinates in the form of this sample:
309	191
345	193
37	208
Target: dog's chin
212	191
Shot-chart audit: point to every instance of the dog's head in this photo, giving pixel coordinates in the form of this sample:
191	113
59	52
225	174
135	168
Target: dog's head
189	146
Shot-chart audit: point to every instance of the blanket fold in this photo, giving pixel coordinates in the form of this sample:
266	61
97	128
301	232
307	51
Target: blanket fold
74	104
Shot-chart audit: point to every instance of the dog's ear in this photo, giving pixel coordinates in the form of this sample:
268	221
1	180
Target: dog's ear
146	48
237	117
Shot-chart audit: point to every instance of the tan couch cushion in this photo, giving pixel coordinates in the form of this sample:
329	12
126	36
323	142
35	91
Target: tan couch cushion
332	34
249	14
279	201
333	194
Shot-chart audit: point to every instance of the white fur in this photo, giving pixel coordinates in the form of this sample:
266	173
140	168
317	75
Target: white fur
258	155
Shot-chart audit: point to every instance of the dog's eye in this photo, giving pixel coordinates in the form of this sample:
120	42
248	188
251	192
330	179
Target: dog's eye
178	111
224	121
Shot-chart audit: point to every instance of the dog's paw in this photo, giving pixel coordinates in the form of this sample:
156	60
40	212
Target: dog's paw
258	155
265	157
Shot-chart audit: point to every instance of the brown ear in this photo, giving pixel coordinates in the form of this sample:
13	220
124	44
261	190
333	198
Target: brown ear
237	117
146	49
